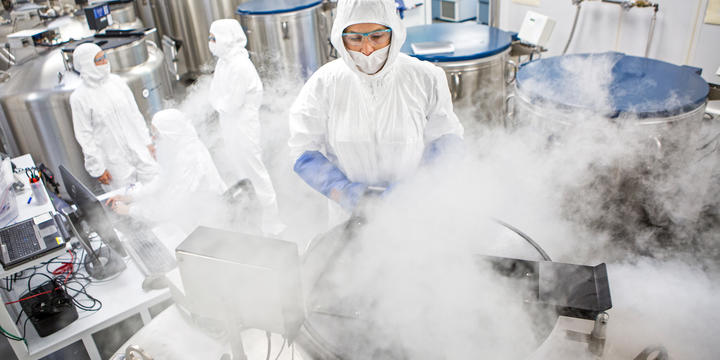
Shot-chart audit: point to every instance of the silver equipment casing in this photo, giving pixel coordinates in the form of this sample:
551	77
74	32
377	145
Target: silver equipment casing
187	23
288	44
480	86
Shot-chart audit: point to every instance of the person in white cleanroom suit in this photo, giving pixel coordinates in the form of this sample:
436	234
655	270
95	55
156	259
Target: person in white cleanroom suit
372	117
236	94
186	170
108	125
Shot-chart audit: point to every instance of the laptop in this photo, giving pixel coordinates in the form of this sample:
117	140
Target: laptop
28	240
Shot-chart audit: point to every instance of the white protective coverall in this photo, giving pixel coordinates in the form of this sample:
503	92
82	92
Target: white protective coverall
236	94
374	128
108	124
187	172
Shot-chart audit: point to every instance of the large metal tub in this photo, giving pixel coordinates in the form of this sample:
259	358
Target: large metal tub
286	39
343	316
478	71
36	117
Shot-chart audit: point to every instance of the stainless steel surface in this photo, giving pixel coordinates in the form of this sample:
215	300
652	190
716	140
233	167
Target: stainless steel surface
555	119
480	86
35	101
494	13
189	21
125	57
288	45
123	13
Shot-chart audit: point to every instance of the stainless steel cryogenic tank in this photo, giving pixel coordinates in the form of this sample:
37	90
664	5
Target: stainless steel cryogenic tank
549	93
124	15
186	24
478	69
286	39
350	312
651	177
35	98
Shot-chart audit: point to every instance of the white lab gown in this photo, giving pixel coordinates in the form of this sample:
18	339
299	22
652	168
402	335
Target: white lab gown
373	127
236	94
188	176
108	125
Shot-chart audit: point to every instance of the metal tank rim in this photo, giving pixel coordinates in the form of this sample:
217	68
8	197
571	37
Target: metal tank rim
663	81
540	109
259	7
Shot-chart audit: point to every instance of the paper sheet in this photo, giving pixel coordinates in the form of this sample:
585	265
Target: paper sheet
712	15
527	2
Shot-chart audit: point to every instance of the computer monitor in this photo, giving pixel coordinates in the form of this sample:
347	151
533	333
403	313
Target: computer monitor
92	210
244	280
98	16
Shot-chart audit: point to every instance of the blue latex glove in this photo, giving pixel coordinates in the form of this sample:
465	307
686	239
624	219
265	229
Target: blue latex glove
446	144
318	172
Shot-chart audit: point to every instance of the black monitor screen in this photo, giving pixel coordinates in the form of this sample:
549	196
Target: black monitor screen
91	209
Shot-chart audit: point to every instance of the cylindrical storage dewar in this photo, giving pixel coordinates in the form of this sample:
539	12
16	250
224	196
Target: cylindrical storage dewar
186	23
477	68
36	117
551	92
286	39
637	126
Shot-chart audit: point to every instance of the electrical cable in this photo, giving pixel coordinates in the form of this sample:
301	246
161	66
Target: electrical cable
527	238
19	315
25	327
572	31
269	343
652	30
10	336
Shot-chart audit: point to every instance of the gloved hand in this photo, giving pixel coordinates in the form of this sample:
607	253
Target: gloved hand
445	145
322	175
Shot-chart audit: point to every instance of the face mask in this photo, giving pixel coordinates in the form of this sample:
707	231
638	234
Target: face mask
103	70
97	72
372	63
213	47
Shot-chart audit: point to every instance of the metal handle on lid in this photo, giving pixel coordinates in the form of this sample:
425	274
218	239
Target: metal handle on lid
514	69
509	114
323	23
285	30
456	89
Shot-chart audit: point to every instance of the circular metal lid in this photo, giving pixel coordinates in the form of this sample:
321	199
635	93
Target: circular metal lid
341	319
270	7
633	85
110	40
470	40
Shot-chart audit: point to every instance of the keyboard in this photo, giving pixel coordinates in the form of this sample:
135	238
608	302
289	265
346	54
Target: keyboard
20	240
149	253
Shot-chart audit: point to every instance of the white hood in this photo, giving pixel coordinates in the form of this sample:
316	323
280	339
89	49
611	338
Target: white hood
84	63
383	12
230	39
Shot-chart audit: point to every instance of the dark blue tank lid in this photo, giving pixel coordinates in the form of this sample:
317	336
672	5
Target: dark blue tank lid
269	7
470	40
634	85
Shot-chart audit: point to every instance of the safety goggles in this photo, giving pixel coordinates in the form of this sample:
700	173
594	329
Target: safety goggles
211	38
377	37
99	60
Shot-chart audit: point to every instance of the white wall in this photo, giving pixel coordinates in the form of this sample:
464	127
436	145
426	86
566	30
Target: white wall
681	37
418	14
